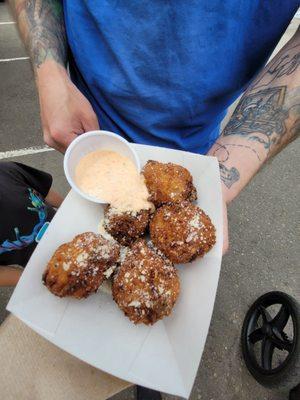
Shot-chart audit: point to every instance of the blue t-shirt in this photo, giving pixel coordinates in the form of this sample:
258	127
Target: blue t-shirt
163	72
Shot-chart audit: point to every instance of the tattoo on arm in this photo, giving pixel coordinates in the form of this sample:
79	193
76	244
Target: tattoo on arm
229	175
269	107
260	117
286	65
267	116
46	37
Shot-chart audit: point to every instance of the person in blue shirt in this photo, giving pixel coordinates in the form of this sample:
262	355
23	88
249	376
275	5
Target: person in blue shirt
164	72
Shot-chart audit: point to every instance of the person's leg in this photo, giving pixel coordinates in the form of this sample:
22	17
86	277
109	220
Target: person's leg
10	275
143	393
54	199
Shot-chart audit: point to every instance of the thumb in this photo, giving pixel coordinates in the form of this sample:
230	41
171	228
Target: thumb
90	121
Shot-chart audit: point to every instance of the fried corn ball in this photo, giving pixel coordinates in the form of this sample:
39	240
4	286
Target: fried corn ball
168	183
146	286
79	267
126	227
182	232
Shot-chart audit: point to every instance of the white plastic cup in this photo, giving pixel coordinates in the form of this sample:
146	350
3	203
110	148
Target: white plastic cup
92	141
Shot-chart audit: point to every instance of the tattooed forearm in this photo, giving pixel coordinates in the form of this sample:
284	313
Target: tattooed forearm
265	116
265	120
285	65
42	27
271	105
260	116
47	34
229	175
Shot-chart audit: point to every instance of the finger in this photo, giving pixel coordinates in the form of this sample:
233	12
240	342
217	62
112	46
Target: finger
48	140
90	122
225	247
56	146
65	140
225	230
59	140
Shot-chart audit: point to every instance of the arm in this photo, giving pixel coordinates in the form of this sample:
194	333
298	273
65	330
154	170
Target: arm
65	112
9	275
265	120
54	199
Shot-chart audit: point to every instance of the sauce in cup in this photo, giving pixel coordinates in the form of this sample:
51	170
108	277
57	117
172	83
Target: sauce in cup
110	176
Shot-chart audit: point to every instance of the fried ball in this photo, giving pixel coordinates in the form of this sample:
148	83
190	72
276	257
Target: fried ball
79	267
146	286
125	227
168	183
182	232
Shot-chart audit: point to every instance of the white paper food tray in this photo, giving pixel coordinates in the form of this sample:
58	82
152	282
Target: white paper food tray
165	356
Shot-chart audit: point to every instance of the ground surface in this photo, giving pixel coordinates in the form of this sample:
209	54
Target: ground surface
263	231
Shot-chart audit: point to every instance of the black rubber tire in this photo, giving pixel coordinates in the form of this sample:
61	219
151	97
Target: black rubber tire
289	376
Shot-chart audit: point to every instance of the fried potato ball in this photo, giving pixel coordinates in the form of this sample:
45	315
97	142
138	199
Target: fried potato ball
79	267
182	232
125	227
146	286
168	183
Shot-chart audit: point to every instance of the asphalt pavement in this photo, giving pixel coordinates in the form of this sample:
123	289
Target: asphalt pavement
263	221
